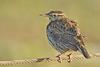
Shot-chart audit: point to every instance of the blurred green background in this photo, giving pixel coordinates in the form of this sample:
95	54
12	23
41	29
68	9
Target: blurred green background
22	30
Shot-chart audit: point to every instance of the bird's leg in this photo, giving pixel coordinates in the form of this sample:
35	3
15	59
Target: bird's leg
69	58
59	58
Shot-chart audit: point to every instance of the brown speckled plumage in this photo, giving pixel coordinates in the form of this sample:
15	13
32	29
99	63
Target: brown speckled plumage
63	34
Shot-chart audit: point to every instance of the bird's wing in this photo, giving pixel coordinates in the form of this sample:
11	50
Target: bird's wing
80	37
78	34
76	43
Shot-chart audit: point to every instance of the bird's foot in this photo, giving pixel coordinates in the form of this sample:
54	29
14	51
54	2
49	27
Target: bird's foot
69	58
59	58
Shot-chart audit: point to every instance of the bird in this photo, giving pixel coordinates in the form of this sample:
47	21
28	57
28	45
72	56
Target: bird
64	34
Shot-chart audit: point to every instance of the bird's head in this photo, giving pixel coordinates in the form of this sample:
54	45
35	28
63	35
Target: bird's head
54	15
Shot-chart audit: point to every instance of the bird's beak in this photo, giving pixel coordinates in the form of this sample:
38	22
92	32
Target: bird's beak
44	15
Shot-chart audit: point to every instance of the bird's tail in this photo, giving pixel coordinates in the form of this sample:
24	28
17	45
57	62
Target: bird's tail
83	50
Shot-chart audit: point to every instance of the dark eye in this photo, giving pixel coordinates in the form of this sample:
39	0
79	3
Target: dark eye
54	15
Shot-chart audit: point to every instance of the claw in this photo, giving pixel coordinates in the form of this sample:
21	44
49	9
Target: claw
59	58
69	58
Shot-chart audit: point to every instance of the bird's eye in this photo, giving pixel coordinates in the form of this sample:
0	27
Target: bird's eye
54	15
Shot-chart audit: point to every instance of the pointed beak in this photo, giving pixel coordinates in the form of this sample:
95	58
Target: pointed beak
44	15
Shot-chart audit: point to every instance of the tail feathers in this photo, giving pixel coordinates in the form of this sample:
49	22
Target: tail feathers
83	50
